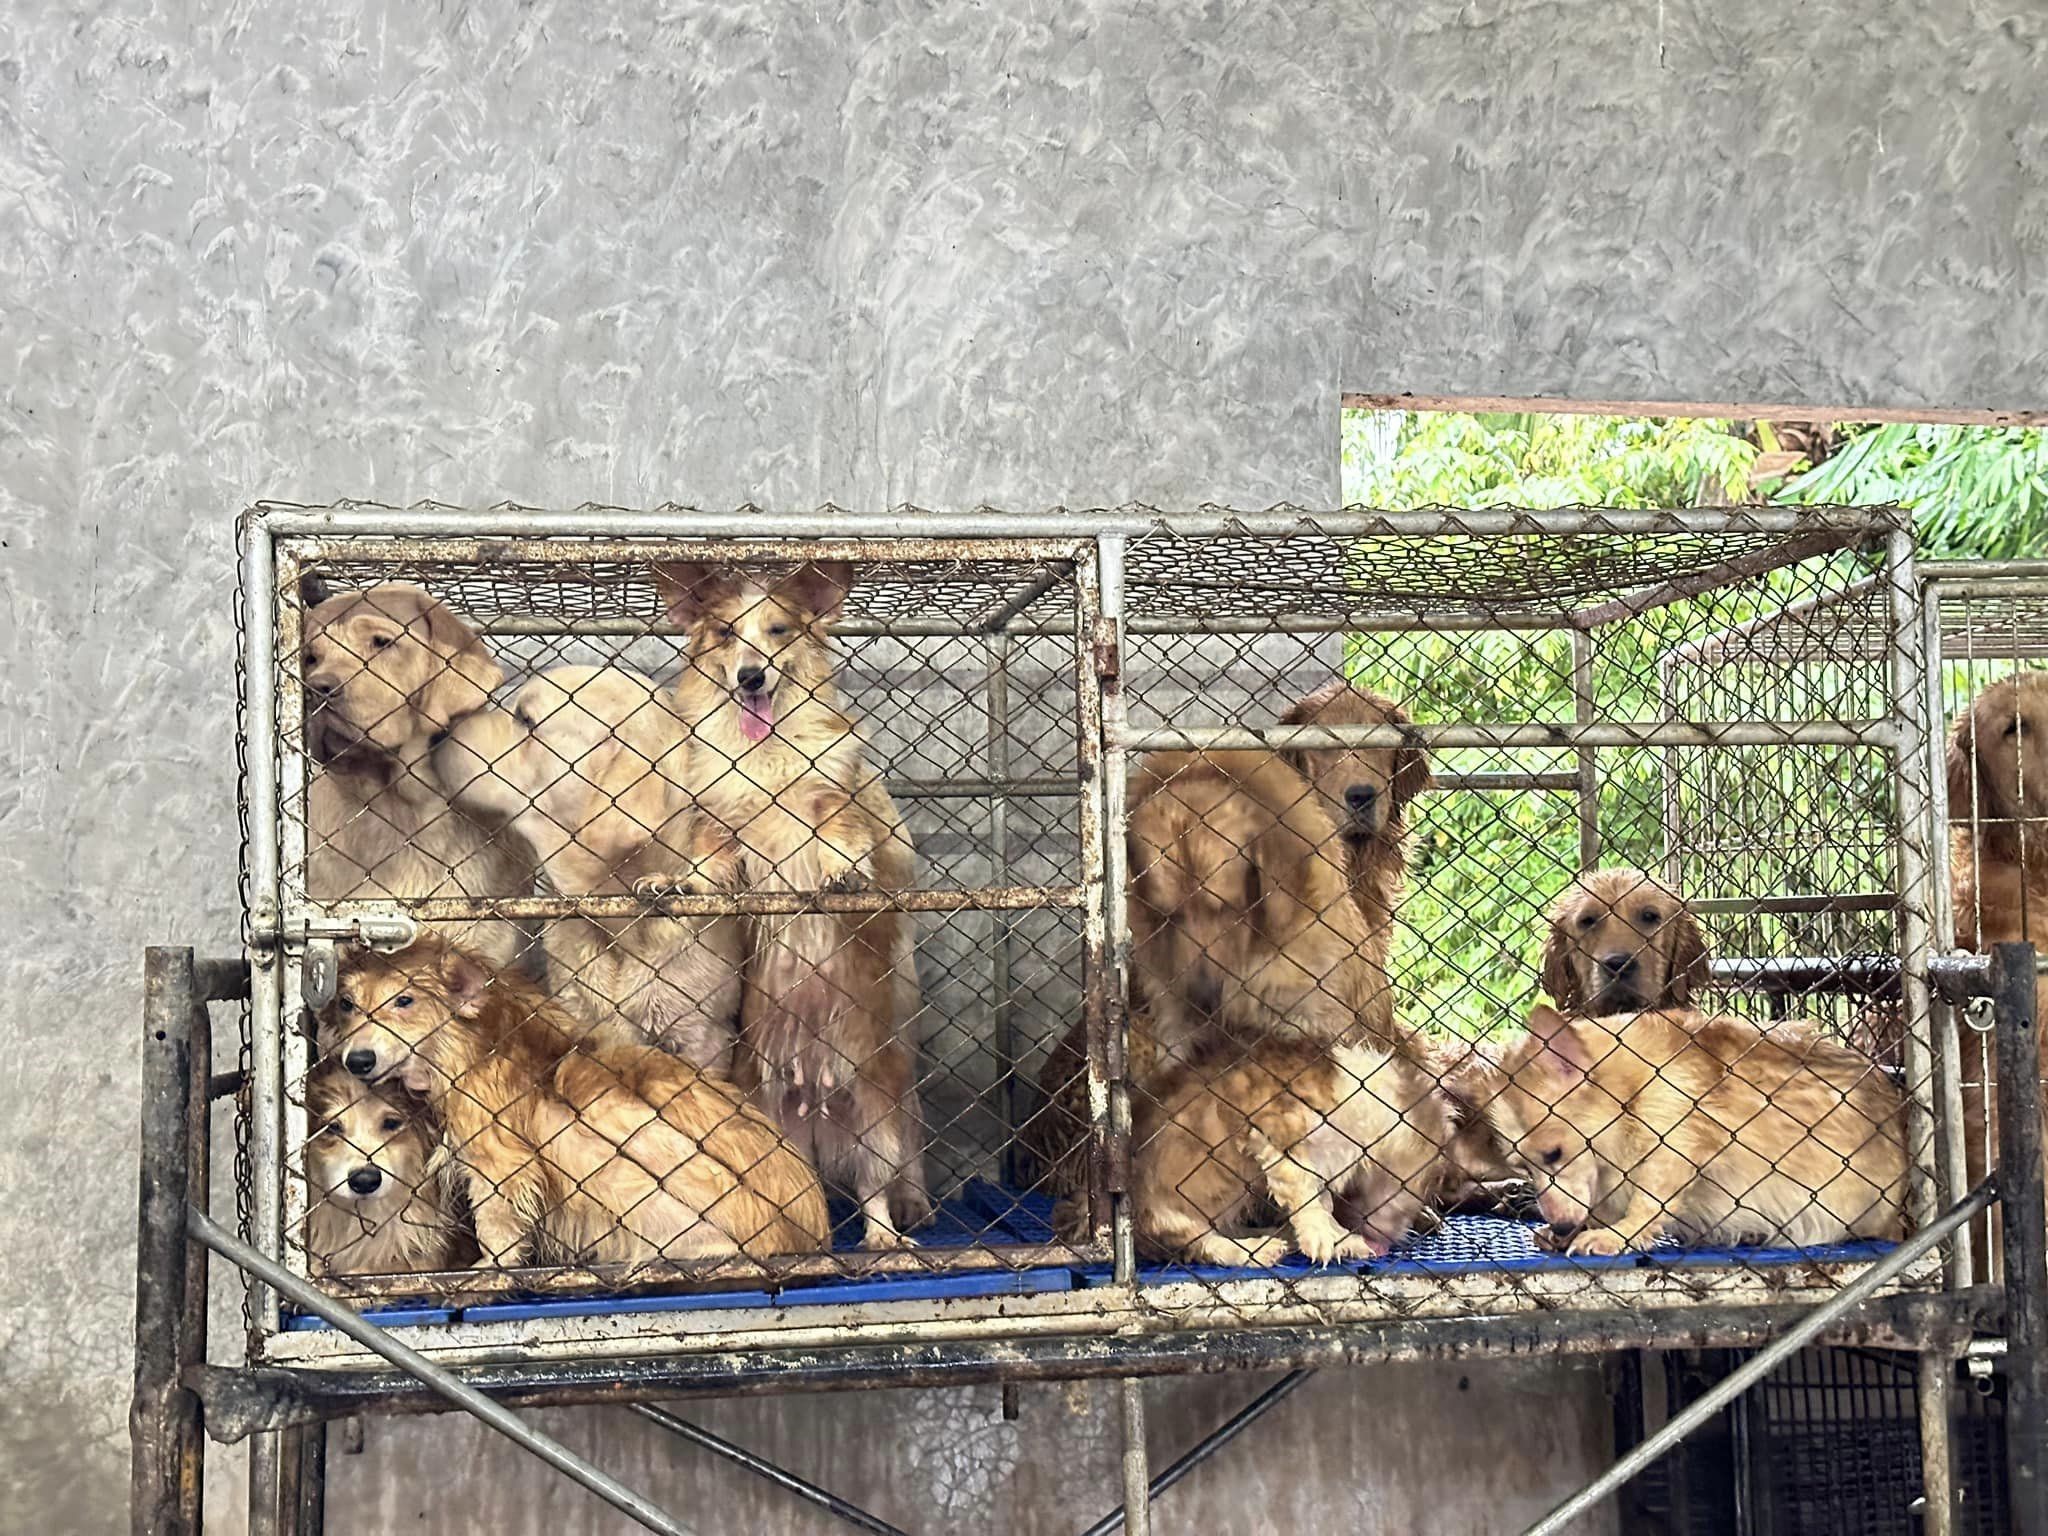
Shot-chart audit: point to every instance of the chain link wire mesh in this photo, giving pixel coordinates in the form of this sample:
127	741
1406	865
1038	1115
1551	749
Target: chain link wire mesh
1512	916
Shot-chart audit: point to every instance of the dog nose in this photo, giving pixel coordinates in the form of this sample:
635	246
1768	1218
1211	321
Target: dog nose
1360	797
364	1181
753	679
1620	963
362	1061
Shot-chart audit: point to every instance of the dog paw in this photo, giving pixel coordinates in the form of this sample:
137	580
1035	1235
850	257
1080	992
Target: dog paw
1323	1242
1267	1251
848	881
1597	1242
1358	1248
880	1238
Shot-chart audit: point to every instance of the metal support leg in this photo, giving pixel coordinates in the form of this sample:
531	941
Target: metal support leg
2025	1239
266	1484
1208	1446
1137	1469
168	1450
781	1477
1937	1369
1812	1323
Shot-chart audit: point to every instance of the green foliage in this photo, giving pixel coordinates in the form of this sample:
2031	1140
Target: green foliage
1976	492
1446	458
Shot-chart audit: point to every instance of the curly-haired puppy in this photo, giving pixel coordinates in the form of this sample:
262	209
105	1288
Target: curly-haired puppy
1367	791
387	671
1621	939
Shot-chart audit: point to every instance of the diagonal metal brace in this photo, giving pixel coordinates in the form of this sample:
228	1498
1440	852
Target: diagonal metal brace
1768	1359
413	1363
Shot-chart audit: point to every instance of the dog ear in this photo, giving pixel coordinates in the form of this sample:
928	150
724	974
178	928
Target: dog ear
1972	794
462	683
1411	765
466	979
687	587
1689	965
818	587
1559	976
1300	712
314	589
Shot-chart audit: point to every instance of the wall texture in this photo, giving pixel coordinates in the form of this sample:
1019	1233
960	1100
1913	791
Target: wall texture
874	252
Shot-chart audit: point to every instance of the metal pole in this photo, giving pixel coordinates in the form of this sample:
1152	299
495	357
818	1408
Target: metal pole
1209	1445
2025	1223
1001	951
852	1514
1947	1025
1115	855
266	975
1917	872
167	1447
1936	1371
413	1363
1881	735
266	1483
1588	774
1812	1323
1137	1510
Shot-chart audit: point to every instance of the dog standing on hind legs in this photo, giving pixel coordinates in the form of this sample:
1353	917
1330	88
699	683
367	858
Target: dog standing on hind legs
789	802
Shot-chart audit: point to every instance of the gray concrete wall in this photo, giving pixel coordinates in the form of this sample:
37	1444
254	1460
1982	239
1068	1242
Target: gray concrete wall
1023	254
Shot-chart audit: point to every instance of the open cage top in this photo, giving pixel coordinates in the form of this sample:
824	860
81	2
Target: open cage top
1503	565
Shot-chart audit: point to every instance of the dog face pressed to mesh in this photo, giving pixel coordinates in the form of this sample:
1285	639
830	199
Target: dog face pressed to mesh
1639	1125
386	671
1621	939
377	1204
586	770
565	1151
788	801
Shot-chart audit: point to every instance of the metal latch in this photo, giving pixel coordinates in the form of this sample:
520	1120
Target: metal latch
314	940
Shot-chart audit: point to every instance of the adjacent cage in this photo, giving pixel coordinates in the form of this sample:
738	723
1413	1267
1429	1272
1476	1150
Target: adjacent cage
719	929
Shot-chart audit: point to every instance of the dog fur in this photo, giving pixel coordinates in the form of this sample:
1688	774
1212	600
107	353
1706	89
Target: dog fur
1620	940
1659	1122
1367	792
1240	912
1300	1122
404	1222
586	769
790	803
615	1153
386	671
1998	863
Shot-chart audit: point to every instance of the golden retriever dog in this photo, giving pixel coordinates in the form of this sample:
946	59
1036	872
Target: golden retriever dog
386	671
1621	940
376	1203
1241	918
616	1153
1639	1125
1367	792
789	802
1299	1122
1998	862
585	769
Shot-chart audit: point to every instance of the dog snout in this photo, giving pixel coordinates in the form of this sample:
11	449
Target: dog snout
1619	964
753	679
1361	798
364	1181
361	1061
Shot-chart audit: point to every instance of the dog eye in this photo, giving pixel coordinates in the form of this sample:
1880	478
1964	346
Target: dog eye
2015	728
403	1000
1588	919
331	1128
778	629
343	1005
526	719
312	657
379	642
1652	915
392	1123
1553	1157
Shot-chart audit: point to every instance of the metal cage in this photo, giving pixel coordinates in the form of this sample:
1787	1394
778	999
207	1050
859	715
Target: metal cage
1734	707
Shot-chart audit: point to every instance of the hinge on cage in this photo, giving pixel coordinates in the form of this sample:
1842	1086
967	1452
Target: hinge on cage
1109	662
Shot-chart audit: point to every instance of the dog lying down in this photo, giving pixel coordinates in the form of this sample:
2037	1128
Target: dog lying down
1641	1125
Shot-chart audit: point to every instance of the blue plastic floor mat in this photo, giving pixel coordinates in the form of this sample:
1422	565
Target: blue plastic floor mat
991	1215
